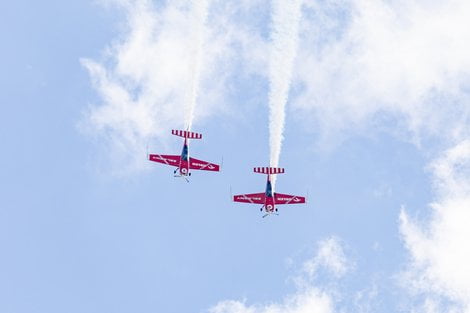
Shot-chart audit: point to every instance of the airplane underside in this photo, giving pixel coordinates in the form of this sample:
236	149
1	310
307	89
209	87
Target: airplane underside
183	162
269	199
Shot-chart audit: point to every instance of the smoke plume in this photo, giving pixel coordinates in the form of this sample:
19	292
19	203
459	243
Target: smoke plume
198	29
284	37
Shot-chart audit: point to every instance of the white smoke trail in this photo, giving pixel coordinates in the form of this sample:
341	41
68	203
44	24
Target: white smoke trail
285	17
198	34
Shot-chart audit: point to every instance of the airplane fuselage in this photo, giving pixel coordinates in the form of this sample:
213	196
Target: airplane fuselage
183	167
269	205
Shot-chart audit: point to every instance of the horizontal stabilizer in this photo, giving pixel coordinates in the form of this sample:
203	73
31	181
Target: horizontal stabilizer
268	170
186	134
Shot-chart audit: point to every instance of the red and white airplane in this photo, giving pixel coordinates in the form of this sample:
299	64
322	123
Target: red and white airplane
269	199
183	162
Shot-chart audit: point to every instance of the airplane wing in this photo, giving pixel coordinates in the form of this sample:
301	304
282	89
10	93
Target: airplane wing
173	160
256	198
280	198
196	164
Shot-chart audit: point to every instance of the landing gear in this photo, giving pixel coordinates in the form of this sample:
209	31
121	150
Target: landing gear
174	172
189	174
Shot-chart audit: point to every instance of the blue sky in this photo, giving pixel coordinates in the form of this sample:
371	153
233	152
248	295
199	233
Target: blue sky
376	133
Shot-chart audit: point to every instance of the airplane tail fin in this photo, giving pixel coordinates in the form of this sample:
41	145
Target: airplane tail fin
269	170
186	134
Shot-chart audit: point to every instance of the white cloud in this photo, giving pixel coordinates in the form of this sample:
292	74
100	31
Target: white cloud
310	301
361	59
439	249
146	80
310	297
330	256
